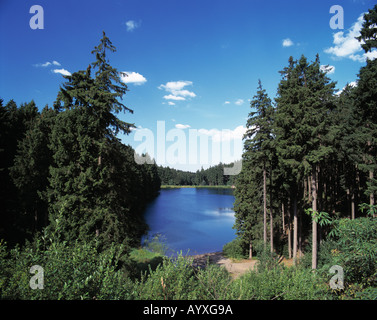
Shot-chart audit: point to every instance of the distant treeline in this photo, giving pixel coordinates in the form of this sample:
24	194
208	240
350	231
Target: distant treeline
213	176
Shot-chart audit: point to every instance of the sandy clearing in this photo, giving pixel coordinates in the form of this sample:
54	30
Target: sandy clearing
235	268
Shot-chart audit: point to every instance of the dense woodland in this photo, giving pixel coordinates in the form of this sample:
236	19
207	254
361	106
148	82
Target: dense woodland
72	196
310	156
66	163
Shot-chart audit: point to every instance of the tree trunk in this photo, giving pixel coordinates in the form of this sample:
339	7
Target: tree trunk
271	219
371	196
299	230
295	229
371	177
250	250
352	204
289	228
314	223
271	231
310	189
264	207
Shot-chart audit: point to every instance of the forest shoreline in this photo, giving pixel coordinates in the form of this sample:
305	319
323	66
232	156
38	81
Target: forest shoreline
190	186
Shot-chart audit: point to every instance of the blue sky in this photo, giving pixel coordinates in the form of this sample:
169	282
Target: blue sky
192	65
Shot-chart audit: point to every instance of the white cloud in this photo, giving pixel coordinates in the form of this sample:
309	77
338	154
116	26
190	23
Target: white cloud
224	135
327	69
132	25
62	71
47	63
132	77
352	84
170	103
346	46
175	88
182	126
239	102
137	128
227	102
287	42
184	93
371	55
175	85
173	97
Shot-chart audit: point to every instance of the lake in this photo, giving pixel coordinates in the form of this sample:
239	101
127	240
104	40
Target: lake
192	220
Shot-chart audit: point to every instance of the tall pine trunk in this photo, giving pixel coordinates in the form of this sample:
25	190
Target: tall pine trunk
271	231
314	222
371	196
271	219
289	234
295	225
264	207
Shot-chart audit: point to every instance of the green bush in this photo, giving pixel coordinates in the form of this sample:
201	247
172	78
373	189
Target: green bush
280	283
213	283
267	260
71	272
172	280
80	270
357	250
234	249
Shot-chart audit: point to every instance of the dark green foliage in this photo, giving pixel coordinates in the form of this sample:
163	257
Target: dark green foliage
73	272
365	100
235	249
281	284
170	176
356	250
254	183
368	33
67	164
16	125
94	179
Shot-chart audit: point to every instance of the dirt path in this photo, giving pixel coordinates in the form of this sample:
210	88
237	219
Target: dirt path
235	268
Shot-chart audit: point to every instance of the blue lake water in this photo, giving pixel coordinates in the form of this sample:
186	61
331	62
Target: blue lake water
192	220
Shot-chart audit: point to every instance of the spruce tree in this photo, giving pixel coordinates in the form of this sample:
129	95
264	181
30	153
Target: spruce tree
305	97
87	154
14	122
366	101
31	168
368	33
257	164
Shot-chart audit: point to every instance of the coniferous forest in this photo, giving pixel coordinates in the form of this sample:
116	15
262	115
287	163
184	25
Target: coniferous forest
73	197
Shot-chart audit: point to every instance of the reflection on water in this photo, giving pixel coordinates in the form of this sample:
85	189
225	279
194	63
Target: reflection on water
222	212
193	220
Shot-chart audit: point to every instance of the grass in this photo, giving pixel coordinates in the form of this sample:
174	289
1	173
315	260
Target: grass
141	255
145	260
